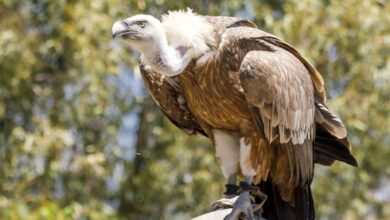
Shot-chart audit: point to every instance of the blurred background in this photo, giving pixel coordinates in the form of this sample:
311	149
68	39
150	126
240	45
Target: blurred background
81	139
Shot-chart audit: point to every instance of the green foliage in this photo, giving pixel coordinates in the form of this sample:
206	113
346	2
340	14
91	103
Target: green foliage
67	91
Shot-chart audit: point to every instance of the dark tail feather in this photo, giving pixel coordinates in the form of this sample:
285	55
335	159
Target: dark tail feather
328	148
275	208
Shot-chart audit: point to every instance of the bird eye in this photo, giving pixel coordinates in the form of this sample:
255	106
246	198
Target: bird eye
141	24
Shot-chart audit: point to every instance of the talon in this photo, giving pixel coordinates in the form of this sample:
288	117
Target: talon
242	206
263	198
231	195
224	203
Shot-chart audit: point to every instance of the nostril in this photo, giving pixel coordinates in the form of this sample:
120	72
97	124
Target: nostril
124	22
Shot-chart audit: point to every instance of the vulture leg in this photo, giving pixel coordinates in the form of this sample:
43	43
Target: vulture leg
227	152
243	205
230	195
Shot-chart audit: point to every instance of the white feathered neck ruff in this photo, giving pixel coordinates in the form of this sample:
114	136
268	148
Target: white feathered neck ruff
186	28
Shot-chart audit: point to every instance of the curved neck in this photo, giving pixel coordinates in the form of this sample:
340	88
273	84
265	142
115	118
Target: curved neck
166	59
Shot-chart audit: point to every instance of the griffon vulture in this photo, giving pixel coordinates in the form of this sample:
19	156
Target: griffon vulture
259	101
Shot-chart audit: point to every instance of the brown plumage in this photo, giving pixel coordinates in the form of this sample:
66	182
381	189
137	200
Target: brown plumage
253	84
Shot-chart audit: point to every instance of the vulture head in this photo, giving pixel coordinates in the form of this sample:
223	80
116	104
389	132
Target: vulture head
170	45
143	32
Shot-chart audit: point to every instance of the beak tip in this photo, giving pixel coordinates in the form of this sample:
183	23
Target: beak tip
117	27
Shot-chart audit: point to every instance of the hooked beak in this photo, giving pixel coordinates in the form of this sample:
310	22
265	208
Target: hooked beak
121	29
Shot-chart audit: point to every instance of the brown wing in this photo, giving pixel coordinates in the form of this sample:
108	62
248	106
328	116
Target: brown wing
279	90
282	88
166	94
331	141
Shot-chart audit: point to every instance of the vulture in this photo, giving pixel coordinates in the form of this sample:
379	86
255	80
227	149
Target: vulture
258	100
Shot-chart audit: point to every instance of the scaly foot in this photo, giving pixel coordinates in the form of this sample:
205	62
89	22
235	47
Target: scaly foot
224	203
242	206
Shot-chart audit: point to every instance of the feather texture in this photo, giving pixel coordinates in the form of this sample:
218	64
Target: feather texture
247	81
185	28
277	209
330	121
165	94
328	148
286	107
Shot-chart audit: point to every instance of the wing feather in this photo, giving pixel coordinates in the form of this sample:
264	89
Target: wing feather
316	77
279	85
279	88
287	98
272	91
286	104
166	93
330	121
